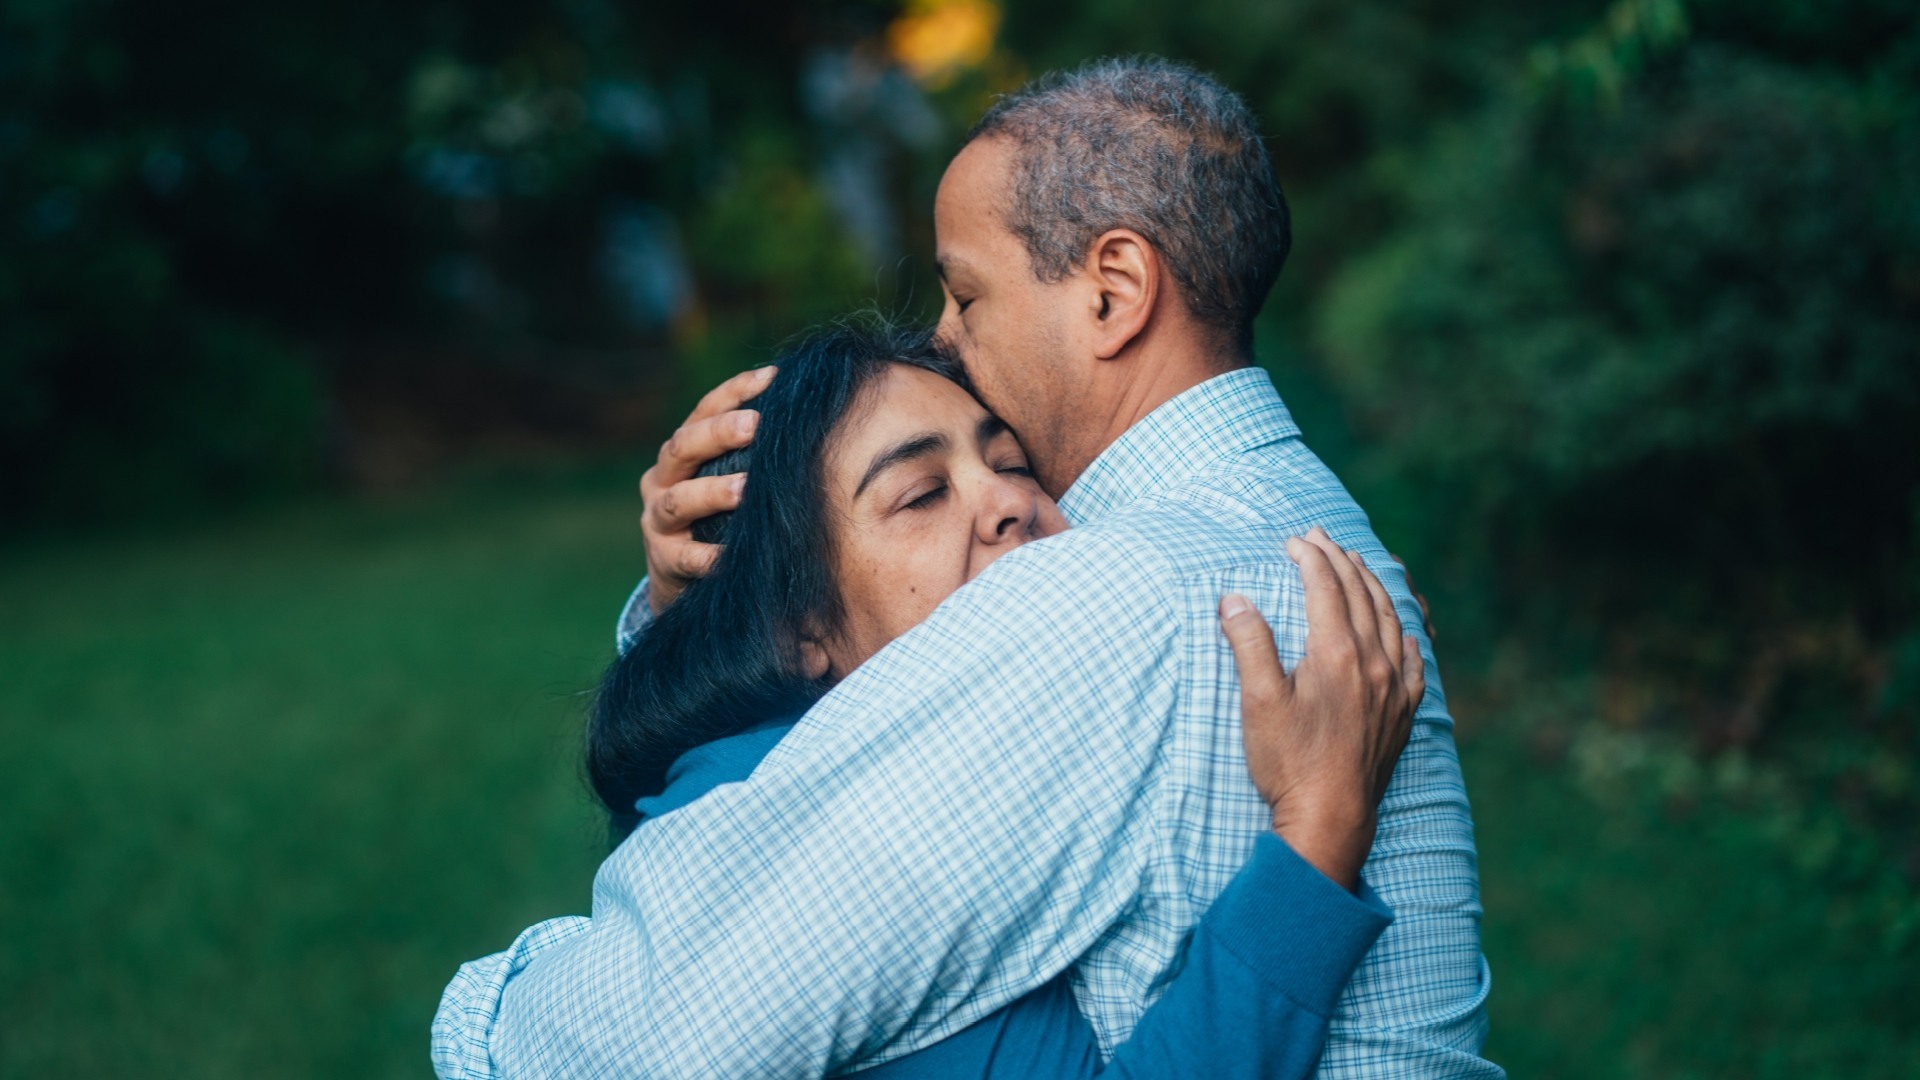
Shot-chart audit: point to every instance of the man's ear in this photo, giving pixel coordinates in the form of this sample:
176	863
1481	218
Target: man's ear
1125	273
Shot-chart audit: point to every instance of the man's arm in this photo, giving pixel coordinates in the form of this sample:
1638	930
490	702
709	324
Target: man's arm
1417	1005
941	835
673	495
1261	976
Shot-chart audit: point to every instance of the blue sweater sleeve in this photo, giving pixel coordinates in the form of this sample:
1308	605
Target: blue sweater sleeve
1264	969
1262	973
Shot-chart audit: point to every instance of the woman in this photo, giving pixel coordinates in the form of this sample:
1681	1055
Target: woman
879	485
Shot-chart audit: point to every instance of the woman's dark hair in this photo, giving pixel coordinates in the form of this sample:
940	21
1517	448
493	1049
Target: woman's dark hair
726	655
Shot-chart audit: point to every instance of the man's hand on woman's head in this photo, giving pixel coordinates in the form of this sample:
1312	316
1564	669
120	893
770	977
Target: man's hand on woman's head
1322	741
673	496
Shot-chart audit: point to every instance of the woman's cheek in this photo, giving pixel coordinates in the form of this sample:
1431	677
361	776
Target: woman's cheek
940	566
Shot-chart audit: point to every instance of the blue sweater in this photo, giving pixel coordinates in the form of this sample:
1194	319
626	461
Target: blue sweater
1261	975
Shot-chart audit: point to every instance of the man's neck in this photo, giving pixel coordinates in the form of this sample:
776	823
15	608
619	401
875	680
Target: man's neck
1147	381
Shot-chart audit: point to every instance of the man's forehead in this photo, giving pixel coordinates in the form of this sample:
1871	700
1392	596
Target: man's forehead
975	180
947	265
965	209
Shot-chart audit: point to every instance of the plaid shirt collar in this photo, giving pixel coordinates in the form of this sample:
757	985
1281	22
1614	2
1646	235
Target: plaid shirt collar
1226	415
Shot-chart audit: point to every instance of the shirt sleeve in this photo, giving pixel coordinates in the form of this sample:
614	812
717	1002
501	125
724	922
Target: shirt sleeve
464	1021
1417	1006
941	835
634	618
1261	975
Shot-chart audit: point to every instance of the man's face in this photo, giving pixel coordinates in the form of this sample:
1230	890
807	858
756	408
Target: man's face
1010	329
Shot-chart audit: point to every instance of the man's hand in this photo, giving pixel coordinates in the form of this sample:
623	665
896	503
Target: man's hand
1322	741
673	497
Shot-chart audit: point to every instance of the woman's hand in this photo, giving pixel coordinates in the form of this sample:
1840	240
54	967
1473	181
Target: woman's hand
673	495
1322	741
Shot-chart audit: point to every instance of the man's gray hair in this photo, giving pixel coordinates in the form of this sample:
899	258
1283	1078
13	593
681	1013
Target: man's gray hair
1157	147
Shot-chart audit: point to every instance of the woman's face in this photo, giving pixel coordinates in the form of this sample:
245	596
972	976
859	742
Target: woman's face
926	489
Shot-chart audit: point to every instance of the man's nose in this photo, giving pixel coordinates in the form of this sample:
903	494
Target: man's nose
943	331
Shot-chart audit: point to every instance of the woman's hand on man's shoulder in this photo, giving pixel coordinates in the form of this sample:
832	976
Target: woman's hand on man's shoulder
1323	739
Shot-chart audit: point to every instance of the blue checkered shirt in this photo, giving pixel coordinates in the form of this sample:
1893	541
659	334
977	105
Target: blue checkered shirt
1046	774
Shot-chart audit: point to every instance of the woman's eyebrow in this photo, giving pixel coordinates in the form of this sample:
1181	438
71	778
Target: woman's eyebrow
989	428
917	447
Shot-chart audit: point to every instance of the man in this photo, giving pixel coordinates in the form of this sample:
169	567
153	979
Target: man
1047	774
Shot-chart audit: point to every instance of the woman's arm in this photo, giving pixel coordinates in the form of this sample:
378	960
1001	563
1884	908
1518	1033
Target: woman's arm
1275	950
1270	958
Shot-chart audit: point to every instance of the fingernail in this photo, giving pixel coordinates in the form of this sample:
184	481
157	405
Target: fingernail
747	422
1293	547
1234	605
764	373
739	485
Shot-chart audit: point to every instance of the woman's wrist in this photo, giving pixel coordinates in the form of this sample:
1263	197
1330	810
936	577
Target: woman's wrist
1334	841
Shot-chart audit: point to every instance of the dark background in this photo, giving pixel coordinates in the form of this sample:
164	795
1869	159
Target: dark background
334	335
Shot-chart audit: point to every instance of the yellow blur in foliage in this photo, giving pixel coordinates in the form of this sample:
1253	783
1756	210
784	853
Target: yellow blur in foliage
937	39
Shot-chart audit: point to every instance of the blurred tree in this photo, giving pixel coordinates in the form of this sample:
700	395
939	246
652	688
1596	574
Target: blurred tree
217	219
1648	342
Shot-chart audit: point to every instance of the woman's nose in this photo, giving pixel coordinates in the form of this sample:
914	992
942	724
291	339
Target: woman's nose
1007	512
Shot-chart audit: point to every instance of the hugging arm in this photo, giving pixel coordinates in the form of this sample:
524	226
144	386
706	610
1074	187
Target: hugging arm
1260	978
673	495
1258	982
938	838
1270	958
1268	961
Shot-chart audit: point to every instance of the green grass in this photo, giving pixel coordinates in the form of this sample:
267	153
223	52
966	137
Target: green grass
263	787
1633	939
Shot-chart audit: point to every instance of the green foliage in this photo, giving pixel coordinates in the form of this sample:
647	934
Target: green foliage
1647	345
509	182
1597	65
1632	933
1704	267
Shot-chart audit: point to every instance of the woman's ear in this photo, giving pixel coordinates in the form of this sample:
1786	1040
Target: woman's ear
814	660
1125	273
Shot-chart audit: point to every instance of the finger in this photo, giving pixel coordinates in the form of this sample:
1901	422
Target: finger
686	502
732	394
1327	617
1385	616
1263	681
1353	590
700	441
694	559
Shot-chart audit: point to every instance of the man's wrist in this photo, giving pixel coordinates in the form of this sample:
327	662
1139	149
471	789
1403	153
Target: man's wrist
658	596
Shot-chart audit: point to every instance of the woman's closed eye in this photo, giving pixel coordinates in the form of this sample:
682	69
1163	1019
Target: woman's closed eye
927	498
